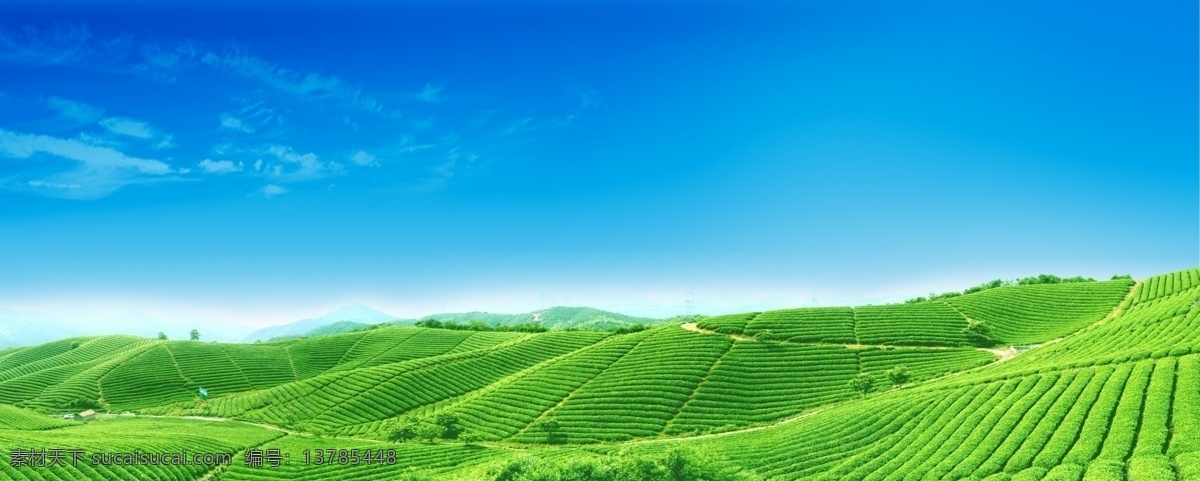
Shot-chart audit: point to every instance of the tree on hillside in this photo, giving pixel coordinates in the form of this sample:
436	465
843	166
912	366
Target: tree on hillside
550	427
899	375
978	332
862	383
162	336
195	335
449	425
403	433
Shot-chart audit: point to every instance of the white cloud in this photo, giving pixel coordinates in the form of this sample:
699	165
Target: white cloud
272	190
18	145
234	123
128	126
364	159
296	83
307	164
101	171
431	93
518	125
78	111
258	165
219	166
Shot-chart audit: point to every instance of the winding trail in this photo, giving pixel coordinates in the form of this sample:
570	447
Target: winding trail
1003	353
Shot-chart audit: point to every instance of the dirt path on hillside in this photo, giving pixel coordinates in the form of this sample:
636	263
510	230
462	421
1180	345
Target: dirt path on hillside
1004	353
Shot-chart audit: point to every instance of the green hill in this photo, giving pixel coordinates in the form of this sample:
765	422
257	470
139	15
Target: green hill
559	317
1111	393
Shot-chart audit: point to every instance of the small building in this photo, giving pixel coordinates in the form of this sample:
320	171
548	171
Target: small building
86	415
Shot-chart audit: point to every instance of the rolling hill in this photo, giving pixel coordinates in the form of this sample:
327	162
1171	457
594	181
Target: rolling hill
1105	387
354	313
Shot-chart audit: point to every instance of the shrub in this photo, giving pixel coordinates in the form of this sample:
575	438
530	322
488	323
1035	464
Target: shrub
862	383
899	375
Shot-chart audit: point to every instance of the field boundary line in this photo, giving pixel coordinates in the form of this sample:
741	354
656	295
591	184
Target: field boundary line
471	396
292	362
351	348
176	363
703	380
236	366
459	358
100	380
569	395
854	324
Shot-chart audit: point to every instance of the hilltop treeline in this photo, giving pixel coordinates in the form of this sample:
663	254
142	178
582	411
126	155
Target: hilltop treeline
477	325
1025	281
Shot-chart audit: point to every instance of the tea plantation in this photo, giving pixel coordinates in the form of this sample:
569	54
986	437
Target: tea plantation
1106	385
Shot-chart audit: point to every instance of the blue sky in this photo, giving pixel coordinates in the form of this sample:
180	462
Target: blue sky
259	162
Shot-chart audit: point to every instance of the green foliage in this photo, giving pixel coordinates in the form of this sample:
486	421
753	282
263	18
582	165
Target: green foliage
1026	281
862	383
674	465
551	428
767	335
978	332
630	329
194	335
84	404
162	336
478	326
899	375
1116	399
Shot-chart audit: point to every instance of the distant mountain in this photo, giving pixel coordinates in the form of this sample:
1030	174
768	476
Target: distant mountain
335	328
21	328
554	318
356	313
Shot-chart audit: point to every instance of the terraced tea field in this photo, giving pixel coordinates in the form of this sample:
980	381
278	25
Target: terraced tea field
1109	390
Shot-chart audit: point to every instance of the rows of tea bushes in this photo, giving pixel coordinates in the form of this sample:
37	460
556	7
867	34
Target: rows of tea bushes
23	419
1164	285
508	407
330	401
921	324
921	363
1099	420
640	393
412	461
763	381
819	324
729	324
1041	312
126	436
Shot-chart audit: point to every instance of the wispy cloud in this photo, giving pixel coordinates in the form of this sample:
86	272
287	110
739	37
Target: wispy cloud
311	85
431	93
272	190
282	106
219	166
588	99
129	127
234	123
100	170
77	111
364	159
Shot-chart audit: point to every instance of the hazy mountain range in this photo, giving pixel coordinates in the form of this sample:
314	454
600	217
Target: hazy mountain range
20	328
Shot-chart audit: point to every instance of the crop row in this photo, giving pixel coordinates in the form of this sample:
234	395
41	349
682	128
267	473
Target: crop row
1037	313
819	324
1167	284
926	323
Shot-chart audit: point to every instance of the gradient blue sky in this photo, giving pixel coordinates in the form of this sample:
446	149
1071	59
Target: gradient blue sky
262	162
